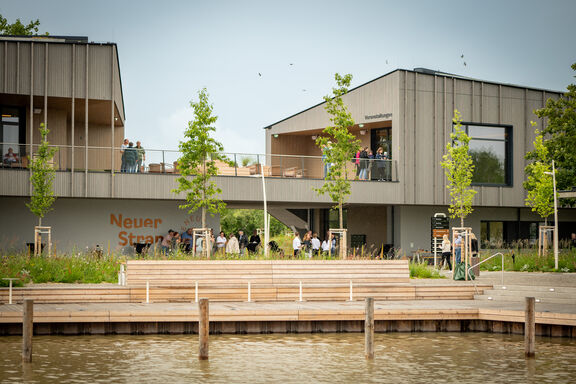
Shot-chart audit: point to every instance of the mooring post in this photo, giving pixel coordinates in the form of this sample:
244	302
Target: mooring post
203	329
351	295
249	292
530	327
369	328
27	330
147	292
300	292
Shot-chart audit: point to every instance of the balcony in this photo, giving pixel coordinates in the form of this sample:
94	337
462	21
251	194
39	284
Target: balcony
95	172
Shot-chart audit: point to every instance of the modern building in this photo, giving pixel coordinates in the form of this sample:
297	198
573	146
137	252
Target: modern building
409	114
74	86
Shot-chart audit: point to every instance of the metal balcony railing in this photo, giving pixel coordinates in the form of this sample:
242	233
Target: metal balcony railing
165	161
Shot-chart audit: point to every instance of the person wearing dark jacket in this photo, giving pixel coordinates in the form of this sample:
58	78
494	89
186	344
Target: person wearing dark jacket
242	241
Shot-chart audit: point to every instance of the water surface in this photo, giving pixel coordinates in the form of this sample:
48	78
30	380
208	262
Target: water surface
304	358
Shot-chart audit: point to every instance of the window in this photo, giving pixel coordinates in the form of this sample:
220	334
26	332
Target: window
491	152
12	130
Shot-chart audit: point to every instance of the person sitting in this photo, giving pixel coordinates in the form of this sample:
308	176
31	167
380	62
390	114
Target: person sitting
187	240
11	157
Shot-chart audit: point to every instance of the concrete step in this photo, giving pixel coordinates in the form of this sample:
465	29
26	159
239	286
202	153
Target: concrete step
521	299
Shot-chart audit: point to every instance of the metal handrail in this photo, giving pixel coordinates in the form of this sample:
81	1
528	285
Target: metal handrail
477	264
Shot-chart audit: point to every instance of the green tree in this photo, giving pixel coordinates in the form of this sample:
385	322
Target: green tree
233	220
197	163
459	171
42	177
338	145
560	133
18	28
539	183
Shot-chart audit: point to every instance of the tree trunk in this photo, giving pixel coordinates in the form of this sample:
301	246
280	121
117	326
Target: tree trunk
340	217
461	222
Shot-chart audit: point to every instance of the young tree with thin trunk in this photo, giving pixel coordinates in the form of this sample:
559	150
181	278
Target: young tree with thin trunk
42	177
539	183
338	145
197	163
459	170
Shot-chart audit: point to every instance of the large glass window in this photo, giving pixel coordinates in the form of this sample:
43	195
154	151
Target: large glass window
490	149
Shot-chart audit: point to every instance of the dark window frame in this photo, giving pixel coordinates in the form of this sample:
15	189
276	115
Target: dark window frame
508	151
22	120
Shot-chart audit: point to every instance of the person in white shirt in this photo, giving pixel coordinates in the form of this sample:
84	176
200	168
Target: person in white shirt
221	242
446	250
325	246
296	244
123	147
315	244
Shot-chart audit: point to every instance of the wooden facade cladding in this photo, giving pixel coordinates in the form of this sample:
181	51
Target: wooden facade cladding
422	107
59	70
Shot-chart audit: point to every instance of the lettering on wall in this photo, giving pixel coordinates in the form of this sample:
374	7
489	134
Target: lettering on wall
378	116
128	237
147	230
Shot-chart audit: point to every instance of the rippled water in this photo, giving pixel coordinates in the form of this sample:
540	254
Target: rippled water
306	358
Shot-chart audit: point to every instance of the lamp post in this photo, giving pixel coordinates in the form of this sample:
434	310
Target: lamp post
553	173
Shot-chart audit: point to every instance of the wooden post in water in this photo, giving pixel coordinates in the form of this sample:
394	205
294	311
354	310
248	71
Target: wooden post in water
369	328
203	329
530	327
27	330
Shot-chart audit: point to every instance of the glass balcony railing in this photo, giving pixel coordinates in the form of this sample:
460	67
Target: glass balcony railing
155	161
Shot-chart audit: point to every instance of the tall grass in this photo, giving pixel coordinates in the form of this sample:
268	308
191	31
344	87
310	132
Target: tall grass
422	270
526	260
73	268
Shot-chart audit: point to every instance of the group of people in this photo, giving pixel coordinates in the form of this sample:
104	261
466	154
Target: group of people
310	245
370	166
10	157
133	157
218	244
447	248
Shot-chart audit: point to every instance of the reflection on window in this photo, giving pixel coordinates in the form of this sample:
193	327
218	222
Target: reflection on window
491	153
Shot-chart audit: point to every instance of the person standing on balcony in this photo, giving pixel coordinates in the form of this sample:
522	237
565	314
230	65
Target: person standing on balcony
387	167
356	161
130	158
380	164
141	156
122	150
364	163
10	157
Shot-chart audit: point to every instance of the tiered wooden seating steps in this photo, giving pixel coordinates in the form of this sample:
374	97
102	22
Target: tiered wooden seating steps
270	280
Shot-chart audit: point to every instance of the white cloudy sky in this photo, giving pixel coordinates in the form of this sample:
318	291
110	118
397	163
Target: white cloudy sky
171	49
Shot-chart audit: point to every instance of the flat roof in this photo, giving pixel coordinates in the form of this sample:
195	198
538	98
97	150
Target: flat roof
425	71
